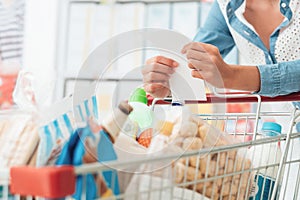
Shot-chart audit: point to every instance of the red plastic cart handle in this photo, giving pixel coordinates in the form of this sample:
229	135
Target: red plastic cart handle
47	182
211	98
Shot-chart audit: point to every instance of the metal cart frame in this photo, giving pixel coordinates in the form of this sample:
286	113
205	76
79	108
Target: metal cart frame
55	182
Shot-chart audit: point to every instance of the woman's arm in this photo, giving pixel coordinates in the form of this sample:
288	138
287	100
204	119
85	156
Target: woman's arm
279	79
215	31
267	80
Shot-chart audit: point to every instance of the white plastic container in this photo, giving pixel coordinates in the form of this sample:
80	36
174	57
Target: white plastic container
291	171
266	155
141	118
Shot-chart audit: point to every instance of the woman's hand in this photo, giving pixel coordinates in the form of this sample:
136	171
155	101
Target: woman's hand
156	75
207	63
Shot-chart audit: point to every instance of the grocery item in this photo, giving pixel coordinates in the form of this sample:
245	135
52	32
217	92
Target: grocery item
197	168
289	185
269	154
18	138
145	137
19	126
161	140
86	146
142	115
59	124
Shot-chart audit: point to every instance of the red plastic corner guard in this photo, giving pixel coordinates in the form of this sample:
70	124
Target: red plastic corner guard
47	182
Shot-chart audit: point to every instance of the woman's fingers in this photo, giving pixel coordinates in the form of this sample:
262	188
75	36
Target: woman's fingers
154	77
197	55
198	46
157	89
162	60
199	65
196	74
157	67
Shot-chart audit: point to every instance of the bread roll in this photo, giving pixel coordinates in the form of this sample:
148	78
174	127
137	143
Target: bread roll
191	174
242	163
197	120
184	161
222	160
179	172
244	179
225	189
232	197
221	171
192	143
219	182
212	168
232	154
188	129
193	161
230	166
242	193
202	132
203	162
227	179
234	188
200	186
211	190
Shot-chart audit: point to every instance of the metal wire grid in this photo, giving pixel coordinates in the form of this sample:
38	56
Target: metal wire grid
234	181
216	183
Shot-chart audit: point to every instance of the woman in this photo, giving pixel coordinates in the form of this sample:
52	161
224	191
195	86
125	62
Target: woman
267	34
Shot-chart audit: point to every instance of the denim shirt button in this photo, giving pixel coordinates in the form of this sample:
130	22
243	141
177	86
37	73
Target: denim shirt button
283	5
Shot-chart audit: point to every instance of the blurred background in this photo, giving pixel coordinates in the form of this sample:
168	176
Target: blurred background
52	39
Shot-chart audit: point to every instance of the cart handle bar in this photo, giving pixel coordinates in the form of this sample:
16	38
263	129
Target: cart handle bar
236	97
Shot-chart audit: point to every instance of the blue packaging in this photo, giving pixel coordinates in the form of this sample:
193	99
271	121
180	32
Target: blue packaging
75	152
60	126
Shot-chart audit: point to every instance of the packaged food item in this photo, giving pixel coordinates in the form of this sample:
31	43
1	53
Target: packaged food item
142	116
18	138
161	140
145	137
159	172
19	126
86	146
268	154
59	124
56	128
197	168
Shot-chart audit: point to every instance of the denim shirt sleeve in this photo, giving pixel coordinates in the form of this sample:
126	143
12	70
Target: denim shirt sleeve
215	31
279	79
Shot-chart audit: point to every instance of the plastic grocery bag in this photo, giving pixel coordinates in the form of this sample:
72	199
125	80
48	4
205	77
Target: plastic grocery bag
19	126
194	135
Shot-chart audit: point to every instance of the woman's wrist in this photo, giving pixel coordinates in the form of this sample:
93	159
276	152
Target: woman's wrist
245	78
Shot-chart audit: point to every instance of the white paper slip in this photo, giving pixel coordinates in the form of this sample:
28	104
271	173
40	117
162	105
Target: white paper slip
169	43
183	86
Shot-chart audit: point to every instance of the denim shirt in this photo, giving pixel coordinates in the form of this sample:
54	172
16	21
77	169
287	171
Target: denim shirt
279	67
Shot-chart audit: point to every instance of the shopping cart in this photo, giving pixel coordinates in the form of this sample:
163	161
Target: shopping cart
233	181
